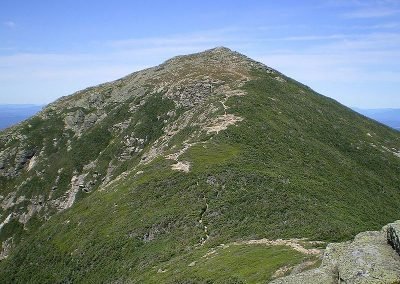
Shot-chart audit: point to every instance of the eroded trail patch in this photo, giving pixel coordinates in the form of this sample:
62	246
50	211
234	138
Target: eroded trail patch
296	244
201	221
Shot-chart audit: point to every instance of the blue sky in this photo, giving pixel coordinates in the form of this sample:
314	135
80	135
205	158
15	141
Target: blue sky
348	50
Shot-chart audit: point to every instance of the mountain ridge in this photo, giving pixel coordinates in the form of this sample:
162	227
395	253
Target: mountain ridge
139	175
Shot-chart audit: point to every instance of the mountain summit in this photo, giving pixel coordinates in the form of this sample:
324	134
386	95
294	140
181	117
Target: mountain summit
192	171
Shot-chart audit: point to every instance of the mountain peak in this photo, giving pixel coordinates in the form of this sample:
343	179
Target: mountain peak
217	54
222	52
219	64
216	50
220	49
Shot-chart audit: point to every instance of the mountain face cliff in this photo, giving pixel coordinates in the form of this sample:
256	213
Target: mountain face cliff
181	173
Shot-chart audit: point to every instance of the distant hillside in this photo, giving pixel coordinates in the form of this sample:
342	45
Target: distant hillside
388	116
12	114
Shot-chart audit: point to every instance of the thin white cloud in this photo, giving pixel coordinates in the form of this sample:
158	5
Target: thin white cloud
347	58
74	71
9	24
321	59
372	13
200	39
377	42
6	48
383	26
314	37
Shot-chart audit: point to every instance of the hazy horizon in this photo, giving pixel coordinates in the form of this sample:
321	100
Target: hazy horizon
347	50
11	114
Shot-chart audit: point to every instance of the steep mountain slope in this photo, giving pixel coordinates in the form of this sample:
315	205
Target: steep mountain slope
136	180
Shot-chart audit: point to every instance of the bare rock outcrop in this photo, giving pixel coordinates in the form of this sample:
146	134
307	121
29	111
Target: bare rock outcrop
372	257
6	247
393	236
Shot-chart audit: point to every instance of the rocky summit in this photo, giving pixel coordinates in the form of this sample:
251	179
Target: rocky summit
208	168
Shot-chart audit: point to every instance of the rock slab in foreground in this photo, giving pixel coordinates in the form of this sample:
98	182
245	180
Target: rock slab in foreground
372	257
393	235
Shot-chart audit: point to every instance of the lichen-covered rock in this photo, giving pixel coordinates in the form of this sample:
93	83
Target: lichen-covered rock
36	204
6	248
366	259
13	159
393	235
74	120
322	275
22	156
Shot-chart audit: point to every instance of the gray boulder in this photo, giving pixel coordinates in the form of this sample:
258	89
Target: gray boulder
367	259
321	275
393	235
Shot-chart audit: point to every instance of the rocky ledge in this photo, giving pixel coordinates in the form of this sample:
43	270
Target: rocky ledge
372	257
393	231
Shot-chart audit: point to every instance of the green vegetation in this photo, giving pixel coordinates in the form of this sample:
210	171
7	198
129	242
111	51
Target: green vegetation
230	264
208	155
